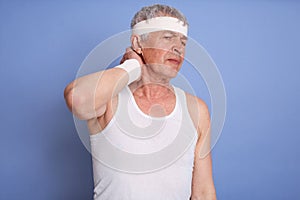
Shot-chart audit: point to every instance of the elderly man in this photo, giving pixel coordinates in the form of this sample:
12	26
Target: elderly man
141	84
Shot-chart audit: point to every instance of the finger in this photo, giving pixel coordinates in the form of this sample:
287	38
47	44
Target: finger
125	55
123	59
129	49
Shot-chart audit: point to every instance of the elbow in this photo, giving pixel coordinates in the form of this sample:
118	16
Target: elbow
68	93
75	102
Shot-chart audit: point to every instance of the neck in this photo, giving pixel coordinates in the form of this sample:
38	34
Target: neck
151	90
152	84
154	74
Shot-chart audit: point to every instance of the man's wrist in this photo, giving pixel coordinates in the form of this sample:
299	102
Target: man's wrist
132	67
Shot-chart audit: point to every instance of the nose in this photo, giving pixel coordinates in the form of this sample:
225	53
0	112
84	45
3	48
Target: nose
177	50
178	47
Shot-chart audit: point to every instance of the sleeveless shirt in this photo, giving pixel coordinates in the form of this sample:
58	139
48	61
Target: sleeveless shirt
139	157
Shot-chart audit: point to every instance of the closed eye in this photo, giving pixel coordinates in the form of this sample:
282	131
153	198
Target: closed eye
168	37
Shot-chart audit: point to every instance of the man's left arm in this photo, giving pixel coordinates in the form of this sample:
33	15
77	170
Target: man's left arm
202	183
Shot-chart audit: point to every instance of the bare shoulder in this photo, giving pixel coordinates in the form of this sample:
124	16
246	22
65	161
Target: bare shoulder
194	101
198	111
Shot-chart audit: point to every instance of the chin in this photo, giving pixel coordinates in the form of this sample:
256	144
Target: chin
168	71
172	73
175	74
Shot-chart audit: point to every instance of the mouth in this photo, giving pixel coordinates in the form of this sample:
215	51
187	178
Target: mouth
174	61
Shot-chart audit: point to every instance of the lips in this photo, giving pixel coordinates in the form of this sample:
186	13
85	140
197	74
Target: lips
174	60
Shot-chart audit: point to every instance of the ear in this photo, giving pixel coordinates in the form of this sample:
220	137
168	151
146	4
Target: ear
136	43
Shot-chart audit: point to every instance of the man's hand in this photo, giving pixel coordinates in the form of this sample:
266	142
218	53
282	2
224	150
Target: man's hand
131	54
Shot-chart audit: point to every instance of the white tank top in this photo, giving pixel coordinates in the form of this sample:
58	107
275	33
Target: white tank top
151	164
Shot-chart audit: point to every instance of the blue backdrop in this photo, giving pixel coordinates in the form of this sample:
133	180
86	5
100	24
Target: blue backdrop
254	44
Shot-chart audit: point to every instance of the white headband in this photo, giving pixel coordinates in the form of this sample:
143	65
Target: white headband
159	24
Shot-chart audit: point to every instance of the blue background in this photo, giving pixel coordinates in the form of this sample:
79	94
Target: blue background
254	44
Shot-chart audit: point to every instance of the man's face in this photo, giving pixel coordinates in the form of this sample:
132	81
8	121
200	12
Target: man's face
164	52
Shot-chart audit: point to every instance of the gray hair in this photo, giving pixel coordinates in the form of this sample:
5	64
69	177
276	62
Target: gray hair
156	10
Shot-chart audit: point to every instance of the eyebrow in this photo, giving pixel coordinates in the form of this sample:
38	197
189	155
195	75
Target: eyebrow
175	34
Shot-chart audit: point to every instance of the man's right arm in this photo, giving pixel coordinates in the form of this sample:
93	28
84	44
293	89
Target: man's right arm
87	96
